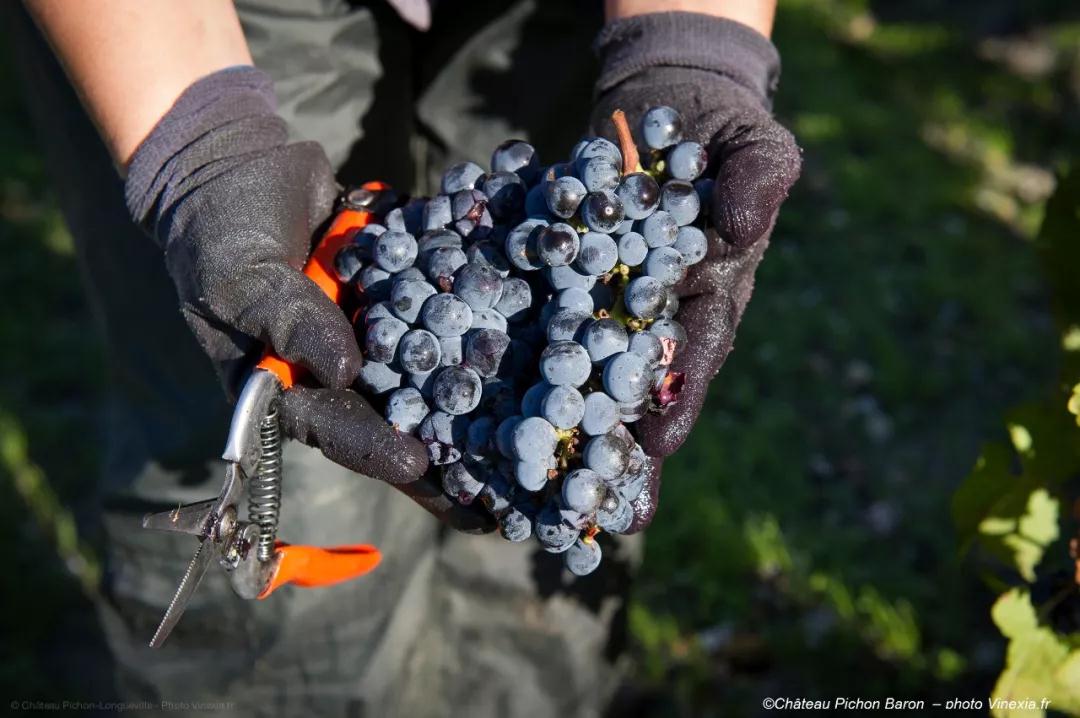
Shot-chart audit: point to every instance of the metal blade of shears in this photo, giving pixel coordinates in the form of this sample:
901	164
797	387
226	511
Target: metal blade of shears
192	577
192	519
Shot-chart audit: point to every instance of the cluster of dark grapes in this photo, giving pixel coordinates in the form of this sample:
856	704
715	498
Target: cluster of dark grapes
518	321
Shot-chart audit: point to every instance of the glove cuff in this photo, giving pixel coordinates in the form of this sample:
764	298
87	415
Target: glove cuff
226	114
685	39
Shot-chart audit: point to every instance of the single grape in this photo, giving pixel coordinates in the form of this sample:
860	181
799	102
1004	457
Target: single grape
563	407
533	398
607	455
534	440
383	335
627	377
582	491
348	262
480	438
578	147
686	161
504	435
485	349
446	315
442	434
704	188
516	156
659	229
487	253
563	196
565	363
452	350
637	473
488	319
583	557
515	300
412	216
463	480
599	147
374	282
437	213
536	203
691	244
604	338
680	200
601	414
566	277
671	306
379	310
661	127
665	264
639	194
395	251
478	286
521	244
576	299
442	263
615	514
434	239
598	254
405	409
515	526
645	297
419	351
647	346
406	298
568	325
531	475
410	274
632	249
457	390
602	211
506	195
553	532
599	173
378	378
461	176
557	244
497	494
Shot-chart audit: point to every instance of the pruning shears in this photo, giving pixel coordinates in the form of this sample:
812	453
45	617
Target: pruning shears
248	549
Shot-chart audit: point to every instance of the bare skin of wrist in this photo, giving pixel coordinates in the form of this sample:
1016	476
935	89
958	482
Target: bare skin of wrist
757	14
130	60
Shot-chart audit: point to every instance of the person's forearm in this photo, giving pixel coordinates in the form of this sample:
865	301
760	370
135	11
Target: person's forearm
131	59
757	14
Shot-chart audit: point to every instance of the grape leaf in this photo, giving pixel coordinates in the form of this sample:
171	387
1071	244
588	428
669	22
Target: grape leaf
1039	663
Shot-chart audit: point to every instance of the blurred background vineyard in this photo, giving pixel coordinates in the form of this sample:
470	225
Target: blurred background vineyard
806	544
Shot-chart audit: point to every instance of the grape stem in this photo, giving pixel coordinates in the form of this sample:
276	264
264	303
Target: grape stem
630	158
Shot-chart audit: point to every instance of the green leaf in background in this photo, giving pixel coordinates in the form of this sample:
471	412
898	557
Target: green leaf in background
1039	663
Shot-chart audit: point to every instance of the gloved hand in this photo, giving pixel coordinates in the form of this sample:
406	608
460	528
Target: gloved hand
720	76
235	209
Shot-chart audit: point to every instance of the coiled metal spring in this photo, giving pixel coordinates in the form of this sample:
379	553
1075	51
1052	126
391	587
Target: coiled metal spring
264	493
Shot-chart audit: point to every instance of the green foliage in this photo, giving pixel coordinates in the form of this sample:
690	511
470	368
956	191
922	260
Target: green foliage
1040	664
1009	505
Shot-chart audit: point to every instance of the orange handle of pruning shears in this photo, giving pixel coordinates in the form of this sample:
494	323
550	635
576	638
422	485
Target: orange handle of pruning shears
311	567
320	269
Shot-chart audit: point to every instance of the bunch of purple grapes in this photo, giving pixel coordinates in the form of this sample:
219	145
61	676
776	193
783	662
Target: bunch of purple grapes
518	321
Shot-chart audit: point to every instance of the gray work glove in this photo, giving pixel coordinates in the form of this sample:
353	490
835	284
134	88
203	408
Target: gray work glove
720	76
236	209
